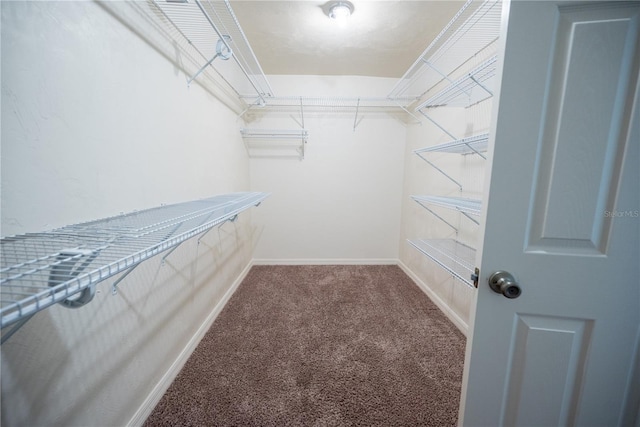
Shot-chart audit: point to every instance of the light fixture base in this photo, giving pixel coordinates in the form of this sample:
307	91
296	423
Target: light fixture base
338	10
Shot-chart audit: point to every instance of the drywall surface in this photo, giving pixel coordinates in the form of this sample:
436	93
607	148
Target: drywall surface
342	202
420	178
96	122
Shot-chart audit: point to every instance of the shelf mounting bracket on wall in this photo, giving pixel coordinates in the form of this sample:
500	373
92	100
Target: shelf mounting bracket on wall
437	124
301	121
418	121
430	65
486	89
223	51
232	219
440	170
435	214
114	286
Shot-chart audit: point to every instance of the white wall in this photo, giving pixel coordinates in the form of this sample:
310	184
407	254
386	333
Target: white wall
342	202
96	122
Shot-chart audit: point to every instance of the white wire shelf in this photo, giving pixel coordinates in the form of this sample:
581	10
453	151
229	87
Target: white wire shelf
470	145
451	255
330	102
63	265
275	143
203	23
299	106
460	204
467	207
469	89
473	29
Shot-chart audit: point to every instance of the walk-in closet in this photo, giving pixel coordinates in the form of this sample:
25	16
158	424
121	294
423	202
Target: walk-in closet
320	213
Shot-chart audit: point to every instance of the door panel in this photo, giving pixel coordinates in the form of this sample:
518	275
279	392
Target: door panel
539	381
581	129
563	217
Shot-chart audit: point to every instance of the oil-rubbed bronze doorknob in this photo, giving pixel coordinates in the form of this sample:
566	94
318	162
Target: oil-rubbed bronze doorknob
504	283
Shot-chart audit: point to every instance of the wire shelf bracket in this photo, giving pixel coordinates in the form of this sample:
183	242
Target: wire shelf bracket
222	51
436	123
435	214
446	175
38	270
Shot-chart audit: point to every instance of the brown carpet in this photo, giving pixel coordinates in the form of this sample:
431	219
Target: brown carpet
321	346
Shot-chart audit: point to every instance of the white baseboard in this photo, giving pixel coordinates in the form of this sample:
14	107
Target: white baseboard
323	261
158	391
444	307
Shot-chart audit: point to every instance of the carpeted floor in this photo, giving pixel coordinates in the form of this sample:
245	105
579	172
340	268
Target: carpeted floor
321	346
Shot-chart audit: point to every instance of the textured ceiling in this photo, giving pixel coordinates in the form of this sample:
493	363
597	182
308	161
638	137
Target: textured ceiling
381	38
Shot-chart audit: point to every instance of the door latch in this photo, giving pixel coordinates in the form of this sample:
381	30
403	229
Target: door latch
474	276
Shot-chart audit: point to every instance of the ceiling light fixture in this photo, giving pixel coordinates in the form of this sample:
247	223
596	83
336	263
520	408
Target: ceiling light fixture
340	10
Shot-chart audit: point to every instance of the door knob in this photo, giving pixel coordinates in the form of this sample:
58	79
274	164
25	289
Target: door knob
503	283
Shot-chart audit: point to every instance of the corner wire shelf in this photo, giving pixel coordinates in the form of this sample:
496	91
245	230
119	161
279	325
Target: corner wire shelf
275	143
453	256
301	105
206	23
64	265
467	207
473	29
461	91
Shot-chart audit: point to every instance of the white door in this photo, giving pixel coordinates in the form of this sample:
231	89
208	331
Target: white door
563	217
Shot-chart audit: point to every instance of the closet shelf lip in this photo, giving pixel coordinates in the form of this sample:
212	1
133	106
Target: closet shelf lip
38	270
451	255
468	145
461	204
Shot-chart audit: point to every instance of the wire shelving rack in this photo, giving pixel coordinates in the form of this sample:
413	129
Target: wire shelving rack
206	23
63	265
451	255
462	92
270	143
473	29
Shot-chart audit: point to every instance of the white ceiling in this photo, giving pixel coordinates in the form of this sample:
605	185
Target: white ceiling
381	38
